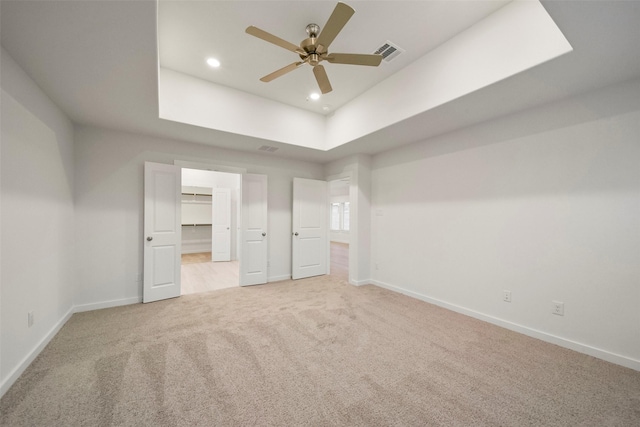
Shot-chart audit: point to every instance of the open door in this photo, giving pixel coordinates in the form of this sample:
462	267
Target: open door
253	248
162	231
221	221
310	256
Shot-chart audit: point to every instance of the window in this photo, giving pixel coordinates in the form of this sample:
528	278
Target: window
345	216
340	216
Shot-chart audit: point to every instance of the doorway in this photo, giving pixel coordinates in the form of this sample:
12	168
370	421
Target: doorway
339	226
210	230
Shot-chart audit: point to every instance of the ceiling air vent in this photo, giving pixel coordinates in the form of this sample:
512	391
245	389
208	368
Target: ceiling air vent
388	51
268	148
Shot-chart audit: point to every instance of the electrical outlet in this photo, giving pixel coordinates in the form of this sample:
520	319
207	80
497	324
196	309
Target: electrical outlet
506	296
557	307
30	319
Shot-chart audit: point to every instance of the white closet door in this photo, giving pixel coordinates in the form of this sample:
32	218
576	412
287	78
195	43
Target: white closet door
310	254
162	231
221	225
253	248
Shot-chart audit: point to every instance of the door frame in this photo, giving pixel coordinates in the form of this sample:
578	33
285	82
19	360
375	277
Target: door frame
215	167
353	224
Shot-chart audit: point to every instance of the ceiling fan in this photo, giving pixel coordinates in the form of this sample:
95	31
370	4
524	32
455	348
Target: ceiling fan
314	49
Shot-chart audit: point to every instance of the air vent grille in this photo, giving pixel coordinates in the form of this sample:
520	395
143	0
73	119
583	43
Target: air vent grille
389	51
268	148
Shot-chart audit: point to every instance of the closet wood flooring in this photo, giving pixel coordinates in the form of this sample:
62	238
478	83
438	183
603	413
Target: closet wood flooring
196	258
199	274
340	260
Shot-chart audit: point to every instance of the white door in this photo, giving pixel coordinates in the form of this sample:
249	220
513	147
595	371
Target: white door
253	248
221	225
310	256
162	231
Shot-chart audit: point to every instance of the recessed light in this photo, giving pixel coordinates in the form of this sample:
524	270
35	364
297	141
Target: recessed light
314	96
213	62
326	107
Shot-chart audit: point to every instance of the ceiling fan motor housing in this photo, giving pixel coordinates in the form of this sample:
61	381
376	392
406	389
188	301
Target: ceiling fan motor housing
314	51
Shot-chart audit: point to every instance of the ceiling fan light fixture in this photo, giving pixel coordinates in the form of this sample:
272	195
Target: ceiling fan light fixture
313	30
213	62
314	96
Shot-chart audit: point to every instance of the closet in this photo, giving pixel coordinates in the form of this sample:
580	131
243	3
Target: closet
197	217
210	214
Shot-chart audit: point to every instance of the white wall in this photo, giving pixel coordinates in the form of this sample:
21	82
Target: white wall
109	206
36	220
194	101
545	203
210	179
516	37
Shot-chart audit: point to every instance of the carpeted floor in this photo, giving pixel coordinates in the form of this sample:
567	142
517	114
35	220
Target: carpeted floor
312	352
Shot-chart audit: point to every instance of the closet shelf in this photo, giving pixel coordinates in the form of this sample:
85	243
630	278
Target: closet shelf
197	194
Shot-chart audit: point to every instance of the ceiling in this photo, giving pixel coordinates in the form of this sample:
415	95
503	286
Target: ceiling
98	60
191	31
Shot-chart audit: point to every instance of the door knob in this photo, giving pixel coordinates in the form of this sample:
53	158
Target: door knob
295	234
227	228
149	239
264	234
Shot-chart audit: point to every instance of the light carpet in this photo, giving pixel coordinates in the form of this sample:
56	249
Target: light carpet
313	352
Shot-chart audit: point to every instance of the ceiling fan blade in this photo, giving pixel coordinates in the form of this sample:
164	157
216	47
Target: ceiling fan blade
268	37
339	17
354	59
282	71
322	79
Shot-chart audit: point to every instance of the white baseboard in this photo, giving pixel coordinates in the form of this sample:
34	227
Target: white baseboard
278	278
340	240
196	249
360	282
525	330
31	356
106	304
